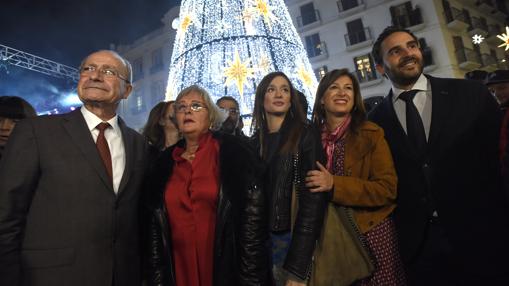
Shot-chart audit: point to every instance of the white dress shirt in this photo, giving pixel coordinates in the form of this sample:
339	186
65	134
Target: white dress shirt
113	136
422	102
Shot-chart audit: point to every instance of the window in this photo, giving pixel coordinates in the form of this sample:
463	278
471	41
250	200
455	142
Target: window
365	68
138	69
426	52
404	16
157	92
157	61
137	103
356	32
320	72
308	14
314	45
347	4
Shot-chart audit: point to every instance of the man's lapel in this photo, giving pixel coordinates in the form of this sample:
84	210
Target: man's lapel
77	128
439	108
394	129
129	154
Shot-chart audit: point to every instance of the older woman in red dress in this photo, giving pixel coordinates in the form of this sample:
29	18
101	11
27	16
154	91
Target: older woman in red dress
208	214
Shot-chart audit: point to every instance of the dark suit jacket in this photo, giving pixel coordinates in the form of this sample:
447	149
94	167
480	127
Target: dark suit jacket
60	220
458	177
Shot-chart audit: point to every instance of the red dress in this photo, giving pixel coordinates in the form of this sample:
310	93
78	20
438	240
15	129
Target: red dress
191	200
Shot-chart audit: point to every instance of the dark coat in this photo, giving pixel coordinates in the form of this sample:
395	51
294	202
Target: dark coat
60	221
241	254
279	178
458	177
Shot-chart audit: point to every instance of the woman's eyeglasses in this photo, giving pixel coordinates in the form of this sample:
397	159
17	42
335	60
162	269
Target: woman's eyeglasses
194	107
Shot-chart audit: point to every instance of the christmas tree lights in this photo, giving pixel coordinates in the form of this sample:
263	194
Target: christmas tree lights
228	46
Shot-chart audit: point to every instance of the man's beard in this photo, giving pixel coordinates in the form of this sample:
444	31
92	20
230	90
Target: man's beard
404	78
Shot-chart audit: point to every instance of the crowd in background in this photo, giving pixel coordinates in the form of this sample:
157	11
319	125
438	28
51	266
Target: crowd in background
410	189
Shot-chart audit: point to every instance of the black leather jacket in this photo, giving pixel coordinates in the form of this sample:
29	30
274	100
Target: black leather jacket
279	177
241	254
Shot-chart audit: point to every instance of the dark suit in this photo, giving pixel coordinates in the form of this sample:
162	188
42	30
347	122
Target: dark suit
61	223
458	177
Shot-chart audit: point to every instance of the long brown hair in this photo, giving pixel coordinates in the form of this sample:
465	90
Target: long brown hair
153	129
358	112
291	128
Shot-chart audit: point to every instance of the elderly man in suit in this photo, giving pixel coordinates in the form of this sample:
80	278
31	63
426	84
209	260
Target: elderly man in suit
443	133
69	189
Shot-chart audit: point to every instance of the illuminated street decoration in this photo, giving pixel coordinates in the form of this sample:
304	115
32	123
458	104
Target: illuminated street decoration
477	39
228	46
504	38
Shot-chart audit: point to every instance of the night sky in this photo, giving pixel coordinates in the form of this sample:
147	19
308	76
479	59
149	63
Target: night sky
66	31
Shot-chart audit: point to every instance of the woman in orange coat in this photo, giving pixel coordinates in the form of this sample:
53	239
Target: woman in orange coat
363	175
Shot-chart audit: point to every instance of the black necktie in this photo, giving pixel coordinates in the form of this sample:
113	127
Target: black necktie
103	148
414	126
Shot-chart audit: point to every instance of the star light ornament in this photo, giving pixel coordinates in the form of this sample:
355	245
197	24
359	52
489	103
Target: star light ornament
261	8
305	76
504	38
238	72
477	39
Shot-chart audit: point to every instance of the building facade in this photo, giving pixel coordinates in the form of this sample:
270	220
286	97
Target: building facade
150	58
340	34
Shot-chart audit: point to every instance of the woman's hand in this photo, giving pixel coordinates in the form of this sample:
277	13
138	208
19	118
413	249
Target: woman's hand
294	283
319	180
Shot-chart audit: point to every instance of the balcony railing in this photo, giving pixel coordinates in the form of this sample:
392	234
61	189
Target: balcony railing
468	58
427	57
366	75
308	19
358	37
478	27
320	50
344	5
489	62
408	20
456	19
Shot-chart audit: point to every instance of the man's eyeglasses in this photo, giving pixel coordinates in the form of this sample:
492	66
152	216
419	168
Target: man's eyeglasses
195	107
230	110
107	72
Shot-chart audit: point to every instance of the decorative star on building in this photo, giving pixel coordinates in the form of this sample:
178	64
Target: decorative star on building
504	38
238	72
305	76
477	39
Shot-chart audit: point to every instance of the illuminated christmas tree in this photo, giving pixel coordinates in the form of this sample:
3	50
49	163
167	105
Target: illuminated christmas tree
227	46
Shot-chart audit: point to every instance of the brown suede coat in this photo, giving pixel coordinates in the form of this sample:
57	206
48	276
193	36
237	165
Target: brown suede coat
369	184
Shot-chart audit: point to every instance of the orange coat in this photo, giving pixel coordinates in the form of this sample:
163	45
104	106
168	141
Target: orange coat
369	184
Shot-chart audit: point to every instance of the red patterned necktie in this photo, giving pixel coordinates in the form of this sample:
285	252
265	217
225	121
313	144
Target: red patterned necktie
103	148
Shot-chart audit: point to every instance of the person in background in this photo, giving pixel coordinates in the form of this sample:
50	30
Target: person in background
233	123
363	175
161	129
443	134
290	147
477	75
12	110
498	84
208	222
70	186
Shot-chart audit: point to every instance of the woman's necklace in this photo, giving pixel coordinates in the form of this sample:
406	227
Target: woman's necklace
190	152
